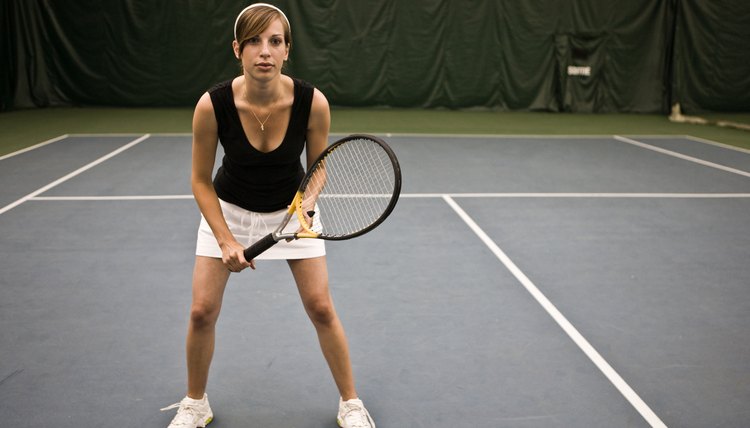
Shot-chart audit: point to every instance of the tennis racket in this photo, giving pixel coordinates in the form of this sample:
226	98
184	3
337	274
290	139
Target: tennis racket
348	191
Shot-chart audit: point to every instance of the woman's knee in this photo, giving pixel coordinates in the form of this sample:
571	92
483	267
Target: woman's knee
203	316
321	312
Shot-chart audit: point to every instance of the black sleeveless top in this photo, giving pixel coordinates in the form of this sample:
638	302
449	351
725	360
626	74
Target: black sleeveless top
251	179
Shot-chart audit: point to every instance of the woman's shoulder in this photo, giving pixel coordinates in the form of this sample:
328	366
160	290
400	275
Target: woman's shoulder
301	83
221	86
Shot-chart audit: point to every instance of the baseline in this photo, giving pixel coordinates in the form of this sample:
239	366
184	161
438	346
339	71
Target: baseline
438	195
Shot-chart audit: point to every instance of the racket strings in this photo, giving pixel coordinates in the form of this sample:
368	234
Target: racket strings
356	183
363	183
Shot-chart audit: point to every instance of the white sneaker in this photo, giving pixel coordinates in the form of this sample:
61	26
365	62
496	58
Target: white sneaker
352	414
191	413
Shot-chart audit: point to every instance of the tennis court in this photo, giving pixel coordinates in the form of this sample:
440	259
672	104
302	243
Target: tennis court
522	281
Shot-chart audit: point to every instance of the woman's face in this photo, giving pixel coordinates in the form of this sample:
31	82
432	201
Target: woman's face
264	55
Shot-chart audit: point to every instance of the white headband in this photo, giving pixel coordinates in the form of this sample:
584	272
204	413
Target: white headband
236	21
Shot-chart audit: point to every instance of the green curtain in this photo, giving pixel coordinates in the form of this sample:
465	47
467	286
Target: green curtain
549	55
712	55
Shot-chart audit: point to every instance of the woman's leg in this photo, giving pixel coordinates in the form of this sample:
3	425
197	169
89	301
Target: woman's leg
311	276
209	281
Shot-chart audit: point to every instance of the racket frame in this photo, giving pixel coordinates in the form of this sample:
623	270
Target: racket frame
296	205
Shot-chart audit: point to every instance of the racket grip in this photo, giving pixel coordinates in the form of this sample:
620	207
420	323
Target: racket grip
259	247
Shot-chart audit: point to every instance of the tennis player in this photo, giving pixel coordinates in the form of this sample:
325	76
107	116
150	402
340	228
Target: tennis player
263	119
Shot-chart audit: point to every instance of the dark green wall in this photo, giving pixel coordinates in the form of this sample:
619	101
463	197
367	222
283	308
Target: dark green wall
642	55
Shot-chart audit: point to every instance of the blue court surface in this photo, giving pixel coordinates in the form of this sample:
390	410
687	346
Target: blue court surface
522	281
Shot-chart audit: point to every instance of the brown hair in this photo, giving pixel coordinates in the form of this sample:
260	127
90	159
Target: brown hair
255	20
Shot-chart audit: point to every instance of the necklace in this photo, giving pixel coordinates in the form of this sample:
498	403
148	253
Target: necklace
262	124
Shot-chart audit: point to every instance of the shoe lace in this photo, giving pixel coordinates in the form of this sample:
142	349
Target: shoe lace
186	414
356	416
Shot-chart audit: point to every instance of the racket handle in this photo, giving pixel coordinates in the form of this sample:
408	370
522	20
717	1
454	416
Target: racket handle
259	247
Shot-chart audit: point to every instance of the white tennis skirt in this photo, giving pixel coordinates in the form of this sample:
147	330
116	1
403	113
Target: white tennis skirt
249	227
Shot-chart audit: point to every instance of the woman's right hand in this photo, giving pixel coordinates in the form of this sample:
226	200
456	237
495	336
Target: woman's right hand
233	257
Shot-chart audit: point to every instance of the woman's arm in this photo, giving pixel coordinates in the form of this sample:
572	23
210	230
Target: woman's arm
318	125
205	142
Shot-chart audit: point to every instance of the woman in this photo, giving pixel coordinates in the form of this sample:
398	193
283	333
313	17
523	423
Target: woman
263	119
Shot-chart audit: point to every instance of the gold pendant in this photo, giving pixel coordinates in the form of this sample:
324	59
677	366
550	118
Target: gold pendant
262	128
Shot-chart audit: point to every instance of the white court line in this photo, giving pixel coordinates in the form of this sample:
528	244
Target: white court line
412	134
560	319
438	195
130	134
112	198
717	144
581	195
681	156
36	146
520	136
71	175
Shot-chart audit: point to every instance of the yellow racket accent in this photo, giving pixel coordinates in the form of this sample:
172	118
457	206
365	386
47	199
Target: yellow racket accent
297	206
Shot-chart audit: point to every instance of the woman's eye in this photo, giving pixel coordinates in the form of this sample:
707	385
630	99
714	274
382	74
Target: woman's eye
276	42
